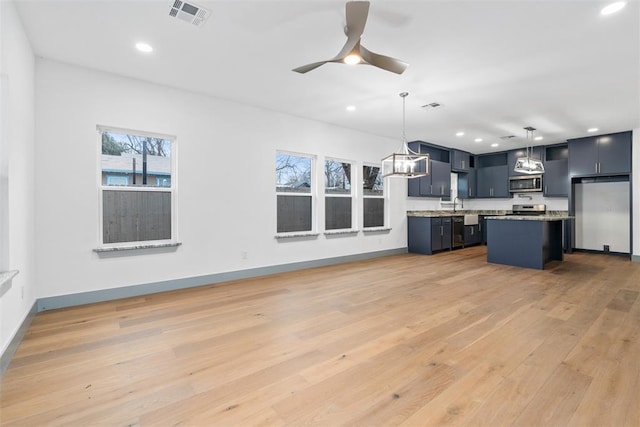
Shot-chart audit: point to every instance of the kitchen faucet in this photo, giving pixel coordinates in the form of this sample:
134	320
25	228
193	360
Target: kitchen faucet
454	203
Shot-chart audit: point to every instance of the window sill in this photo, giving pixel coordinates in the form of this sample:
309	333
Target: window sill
294	235
137	247
5	280
376	230
340	232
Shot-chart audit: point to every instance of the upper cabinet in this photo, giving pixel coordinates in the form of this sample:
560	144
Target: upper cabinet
600	155
467	184
461	161
514	155
438	182
556	166
492	176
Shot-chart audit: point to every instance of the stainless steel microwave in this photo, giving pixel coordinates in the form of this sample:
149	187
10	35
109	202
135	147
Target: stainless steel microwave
523	184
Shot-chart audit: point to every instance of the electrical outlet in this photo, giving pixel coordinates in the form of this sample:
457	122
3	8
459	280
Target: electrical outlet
606	248
244	254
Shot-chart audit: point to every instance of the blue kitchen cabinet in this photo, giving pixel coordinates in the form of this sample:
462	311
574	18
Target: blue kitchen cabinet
600	155
492	176
461	161
438	182
428	234
556	175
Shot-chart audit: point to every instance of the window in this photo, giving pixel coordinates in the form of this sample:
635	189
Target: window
163	182
373	197
338	200
117	180
137	196
294	195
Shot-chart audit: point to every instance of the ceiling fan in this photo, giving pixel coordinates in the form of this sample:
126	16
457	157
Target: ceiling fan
353	52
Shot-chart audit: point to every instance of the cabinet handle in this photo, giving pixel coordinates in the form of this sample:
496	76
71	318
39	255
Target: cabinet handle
441	231
596	167
545	189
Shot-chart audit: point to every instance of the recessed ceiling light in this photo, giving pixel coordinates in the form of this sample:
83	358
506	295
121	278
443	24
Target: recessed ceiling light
495	144
538	138
478	140
592	130
351	108
144	47
613	7
460	134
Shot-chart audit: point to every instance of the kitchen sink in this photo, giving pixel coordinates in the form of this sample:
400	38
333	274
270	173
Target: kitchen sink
471	219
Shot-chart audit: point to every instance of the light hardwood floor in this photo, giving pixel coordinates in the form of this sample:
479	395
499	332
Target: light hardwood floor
403	340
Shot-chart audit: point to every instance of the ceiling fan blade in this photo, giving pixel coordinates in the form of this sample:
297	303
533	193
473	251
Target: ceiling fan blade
306	68
357	13
385	62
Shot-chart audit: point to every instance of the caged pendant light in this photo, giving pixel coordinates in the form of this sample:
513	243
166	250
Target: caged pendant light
405	163
527	164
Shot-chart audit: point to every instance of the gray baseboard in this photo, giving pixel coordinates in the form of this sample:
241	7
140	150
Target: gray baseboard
7	355
55	302
635	258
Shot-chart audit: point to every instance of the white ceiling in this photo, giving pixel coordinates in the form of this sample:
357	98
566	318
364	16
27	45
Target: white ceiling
495	66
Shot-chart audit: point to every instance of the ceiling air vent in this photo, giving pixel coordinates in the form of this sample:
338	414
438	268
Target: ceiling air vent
507	137
189	12
432	105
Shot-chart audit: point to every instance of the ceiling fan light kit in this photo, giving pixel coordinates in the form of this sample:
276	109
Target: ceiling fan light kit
353	52
405	163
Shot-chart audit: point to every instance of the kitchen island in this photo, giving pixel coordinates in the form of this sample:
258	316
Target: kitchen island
525	241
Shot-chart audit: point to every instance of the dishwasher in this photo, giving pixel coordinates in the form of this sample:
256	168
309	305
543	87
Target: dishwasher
457	236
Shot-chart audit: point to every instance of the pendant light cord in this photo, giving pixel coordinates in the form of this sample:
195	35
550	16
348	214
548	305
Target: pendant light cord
405	147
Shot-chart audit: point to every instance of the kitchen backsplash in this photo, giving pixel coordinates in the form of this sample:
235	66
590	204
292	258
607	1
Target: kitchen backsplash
553	204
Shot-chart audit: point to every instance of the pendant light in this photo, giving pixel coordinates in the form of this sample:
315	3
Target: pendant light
527	164
405	163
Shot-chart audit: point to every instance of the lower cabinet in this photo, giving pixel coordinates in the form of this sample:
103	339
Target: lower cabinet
472	235
427	235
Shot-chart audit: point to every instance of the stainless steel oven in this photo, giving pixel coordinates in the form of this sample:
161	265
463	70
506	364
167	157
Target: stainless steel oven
527	210
523	184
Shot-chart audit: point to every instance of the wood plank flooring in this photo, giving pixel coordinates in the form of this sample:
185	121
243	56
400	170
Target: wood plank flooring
405	340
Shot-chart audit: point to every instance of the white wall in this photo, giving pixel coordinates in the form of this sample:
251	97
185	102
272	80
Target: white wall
17	68
226	201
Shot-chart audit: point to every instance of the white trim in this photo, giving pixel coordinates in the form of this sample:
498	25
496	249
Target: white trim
173	240
137	188
376	229
341	231
294	234
351	195
149	245
101	129
383	196
312	193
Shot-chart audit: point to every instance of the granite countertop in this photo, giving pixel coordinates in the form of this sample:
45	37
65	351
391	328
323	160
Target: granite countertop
493	214
549	217
436	214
